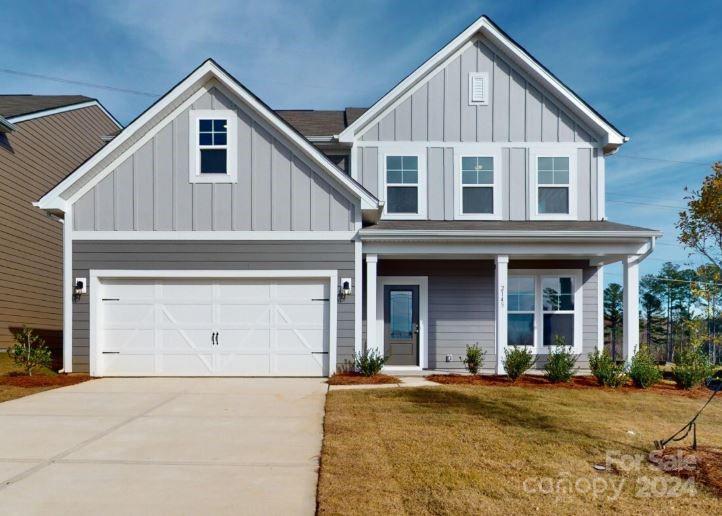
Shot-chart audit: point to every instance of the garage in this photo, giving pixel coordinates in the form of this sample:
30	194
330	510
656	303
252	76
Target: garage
227	325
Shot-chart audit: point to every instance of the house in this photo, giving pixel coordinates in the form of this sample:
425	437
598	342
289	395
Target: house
214	236
42	139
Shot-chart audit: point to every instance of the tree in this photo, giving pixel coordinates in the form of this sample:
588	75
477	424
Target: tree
653	319
29	351
614	312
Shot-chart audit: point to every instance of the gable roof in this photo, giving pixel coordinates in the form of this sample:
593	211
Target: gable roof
613	137
156	113
19	108
310	122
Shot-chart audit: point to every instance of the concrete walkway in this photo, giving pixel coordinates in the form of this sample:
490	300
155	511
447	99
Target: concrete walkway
163	446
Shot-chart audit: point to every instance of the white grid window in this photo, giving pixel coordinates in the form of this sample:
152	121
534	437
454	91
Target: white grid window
557	310
553	186
521	311
402	184
477	185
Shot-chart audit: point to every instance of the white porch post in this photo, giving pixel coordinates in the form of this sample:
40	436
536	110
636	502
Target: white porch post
371	340
631	307
502	273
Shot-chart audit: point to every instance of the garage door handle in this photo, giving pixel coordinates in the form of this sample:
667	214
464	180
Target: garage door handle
216	338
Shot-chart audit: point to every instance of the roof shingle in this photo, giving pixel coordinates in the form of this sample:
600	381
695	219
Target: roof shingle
17	105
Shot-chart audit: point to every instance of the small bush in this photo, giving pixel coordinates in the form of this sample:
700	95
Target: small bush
560	362
474	358
517	361
29	351
691	368
605	370
369	363
643	370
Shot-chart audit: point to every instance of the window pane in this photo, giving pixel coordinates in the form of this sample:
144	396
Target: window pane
205	125
561	164
411	177
558	325
468	163
468	177
402	199
553	200
393	176
219	126
393	162
205	139
561	177
520	329
521	294
557	294
485	177
401	314
546	177
213	161
219	139
546	164
411	163
478	200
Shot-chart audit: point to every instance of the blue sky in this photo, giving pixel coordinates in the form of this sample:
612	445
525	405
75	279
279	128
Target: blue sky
652	68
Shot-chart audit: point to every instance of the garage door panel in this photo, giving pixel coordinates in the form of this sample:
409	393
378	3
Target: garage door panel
301	289
186	365
253	341
243	365
123	315
129	340
123	289
129	364
185	341
309	314
300	341
250	315
252	291
196	290
180	315
297	365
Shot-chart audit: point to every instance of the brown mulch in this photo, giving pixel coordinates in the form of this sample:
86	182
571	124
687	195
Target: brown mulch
359	379
577	382
704	465
41	380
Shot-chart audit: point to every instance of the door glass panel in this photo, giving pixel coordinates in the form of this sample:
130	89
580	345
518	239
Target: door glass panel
401	318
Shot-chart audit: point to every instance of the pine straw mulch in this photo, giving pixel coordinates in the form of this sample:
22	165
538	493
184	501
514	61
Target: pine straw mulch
577	382
704	465
350	378
42	380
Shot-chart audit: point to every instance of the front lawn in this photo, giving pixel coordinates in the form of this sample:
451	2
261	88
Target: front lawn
495	449
14	384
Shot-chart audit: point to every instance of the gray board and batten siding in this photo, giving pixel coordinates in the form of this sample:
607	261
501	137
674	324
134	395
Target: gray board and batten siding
276	189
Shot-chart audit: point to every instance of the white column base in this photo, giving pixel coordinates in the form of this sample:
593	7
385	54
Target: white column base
501	281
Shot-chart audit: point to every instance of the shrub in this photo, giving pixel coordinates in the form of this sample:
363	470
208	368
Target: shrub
517	361
691	368
560	362
369	363
607	372
29	351
474	358
643	370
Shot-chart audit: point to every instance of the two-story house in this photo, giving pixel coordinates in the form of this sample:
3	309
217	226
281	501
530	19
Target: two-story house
214	236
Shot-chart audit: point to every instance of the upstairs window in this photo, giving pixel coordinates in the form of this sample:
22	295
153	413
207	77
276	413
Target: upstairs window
553	186
477	185
213	150
402	185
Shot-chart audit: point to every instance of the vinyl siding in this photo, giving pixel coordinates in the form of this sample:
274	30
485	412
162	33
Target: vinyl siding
276	188
212	255
35	157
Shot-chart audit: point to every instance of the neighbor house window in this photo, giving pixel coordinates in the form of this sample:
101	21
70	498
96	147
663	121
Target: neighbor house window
521	311
477	185
213	149
553	186
558	309
402	184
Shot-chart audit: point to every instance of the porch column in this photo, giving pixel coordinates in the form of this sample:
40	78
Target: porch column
502	273
631	307
371	340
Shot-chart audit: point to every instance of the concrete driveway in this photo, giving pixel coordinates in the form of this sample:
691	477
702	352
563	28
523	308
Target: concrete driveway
163	446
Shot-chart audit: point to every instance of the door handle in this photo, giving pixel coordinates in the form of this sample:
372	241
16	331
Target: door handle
416	328
216	338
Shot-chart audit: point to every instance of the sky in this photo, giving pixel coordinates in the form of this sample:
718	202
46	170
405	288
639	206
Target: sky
650	67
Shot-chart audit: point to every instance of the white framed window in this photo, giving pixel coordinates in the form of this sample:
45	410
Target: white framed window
478	188
212	156
404	186
553	191
543	305
478	89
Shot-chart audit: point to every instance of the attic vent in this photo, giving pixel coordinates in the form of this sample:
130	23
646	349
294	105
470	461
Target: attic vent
479	88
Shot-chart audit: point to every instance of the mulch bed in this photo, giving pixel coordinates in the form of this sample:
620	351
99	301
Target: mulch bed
577	382
359	379
41	380
704	465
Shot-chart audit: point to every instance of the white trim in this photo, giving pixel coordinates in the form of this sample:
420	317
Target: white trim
371	312
214	235
561	152
96	275
423	283
578	285
505	234
208	70
515	53
600	308
358	297
483	151
501	330
64	109
484	78
601	186
422	199
422	145
231	147
68	304
630	320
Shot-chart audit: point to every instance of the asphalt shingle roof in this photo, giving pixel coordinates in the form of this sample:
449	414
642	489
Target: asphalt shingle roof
16	105
310	122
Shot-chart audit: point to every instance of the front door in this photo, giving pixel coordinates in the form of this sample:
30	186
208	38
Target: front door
401	324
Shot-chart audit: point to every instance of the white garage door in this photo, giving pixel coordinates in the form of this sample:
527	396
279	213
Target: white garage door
252	327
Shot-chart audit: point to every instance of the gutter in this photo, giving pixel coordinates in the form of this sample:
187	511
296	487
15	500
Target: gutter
6	126
371	235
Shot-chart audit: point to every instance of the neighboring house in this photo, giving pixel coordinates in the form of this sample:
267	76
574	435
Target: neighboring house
42	139
211	237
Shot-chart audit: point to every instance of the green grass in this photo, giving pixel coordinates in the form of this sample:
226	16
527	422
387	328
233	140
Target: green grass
470	449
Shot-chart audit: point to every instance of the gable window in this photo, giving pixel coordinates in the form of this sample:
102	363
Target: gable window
477	185
402	185
213	154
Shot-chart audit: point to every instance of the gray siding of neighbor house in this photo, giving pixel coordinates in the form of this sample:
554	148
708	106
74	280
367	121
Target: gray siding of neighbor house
276	189
212	255
461	306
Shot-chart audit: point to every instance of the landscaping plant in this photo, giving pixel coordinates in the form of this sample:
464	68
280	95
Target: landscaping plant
369	363
691	367
474	358
607	372
560	362
517	361
643	369
29	351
